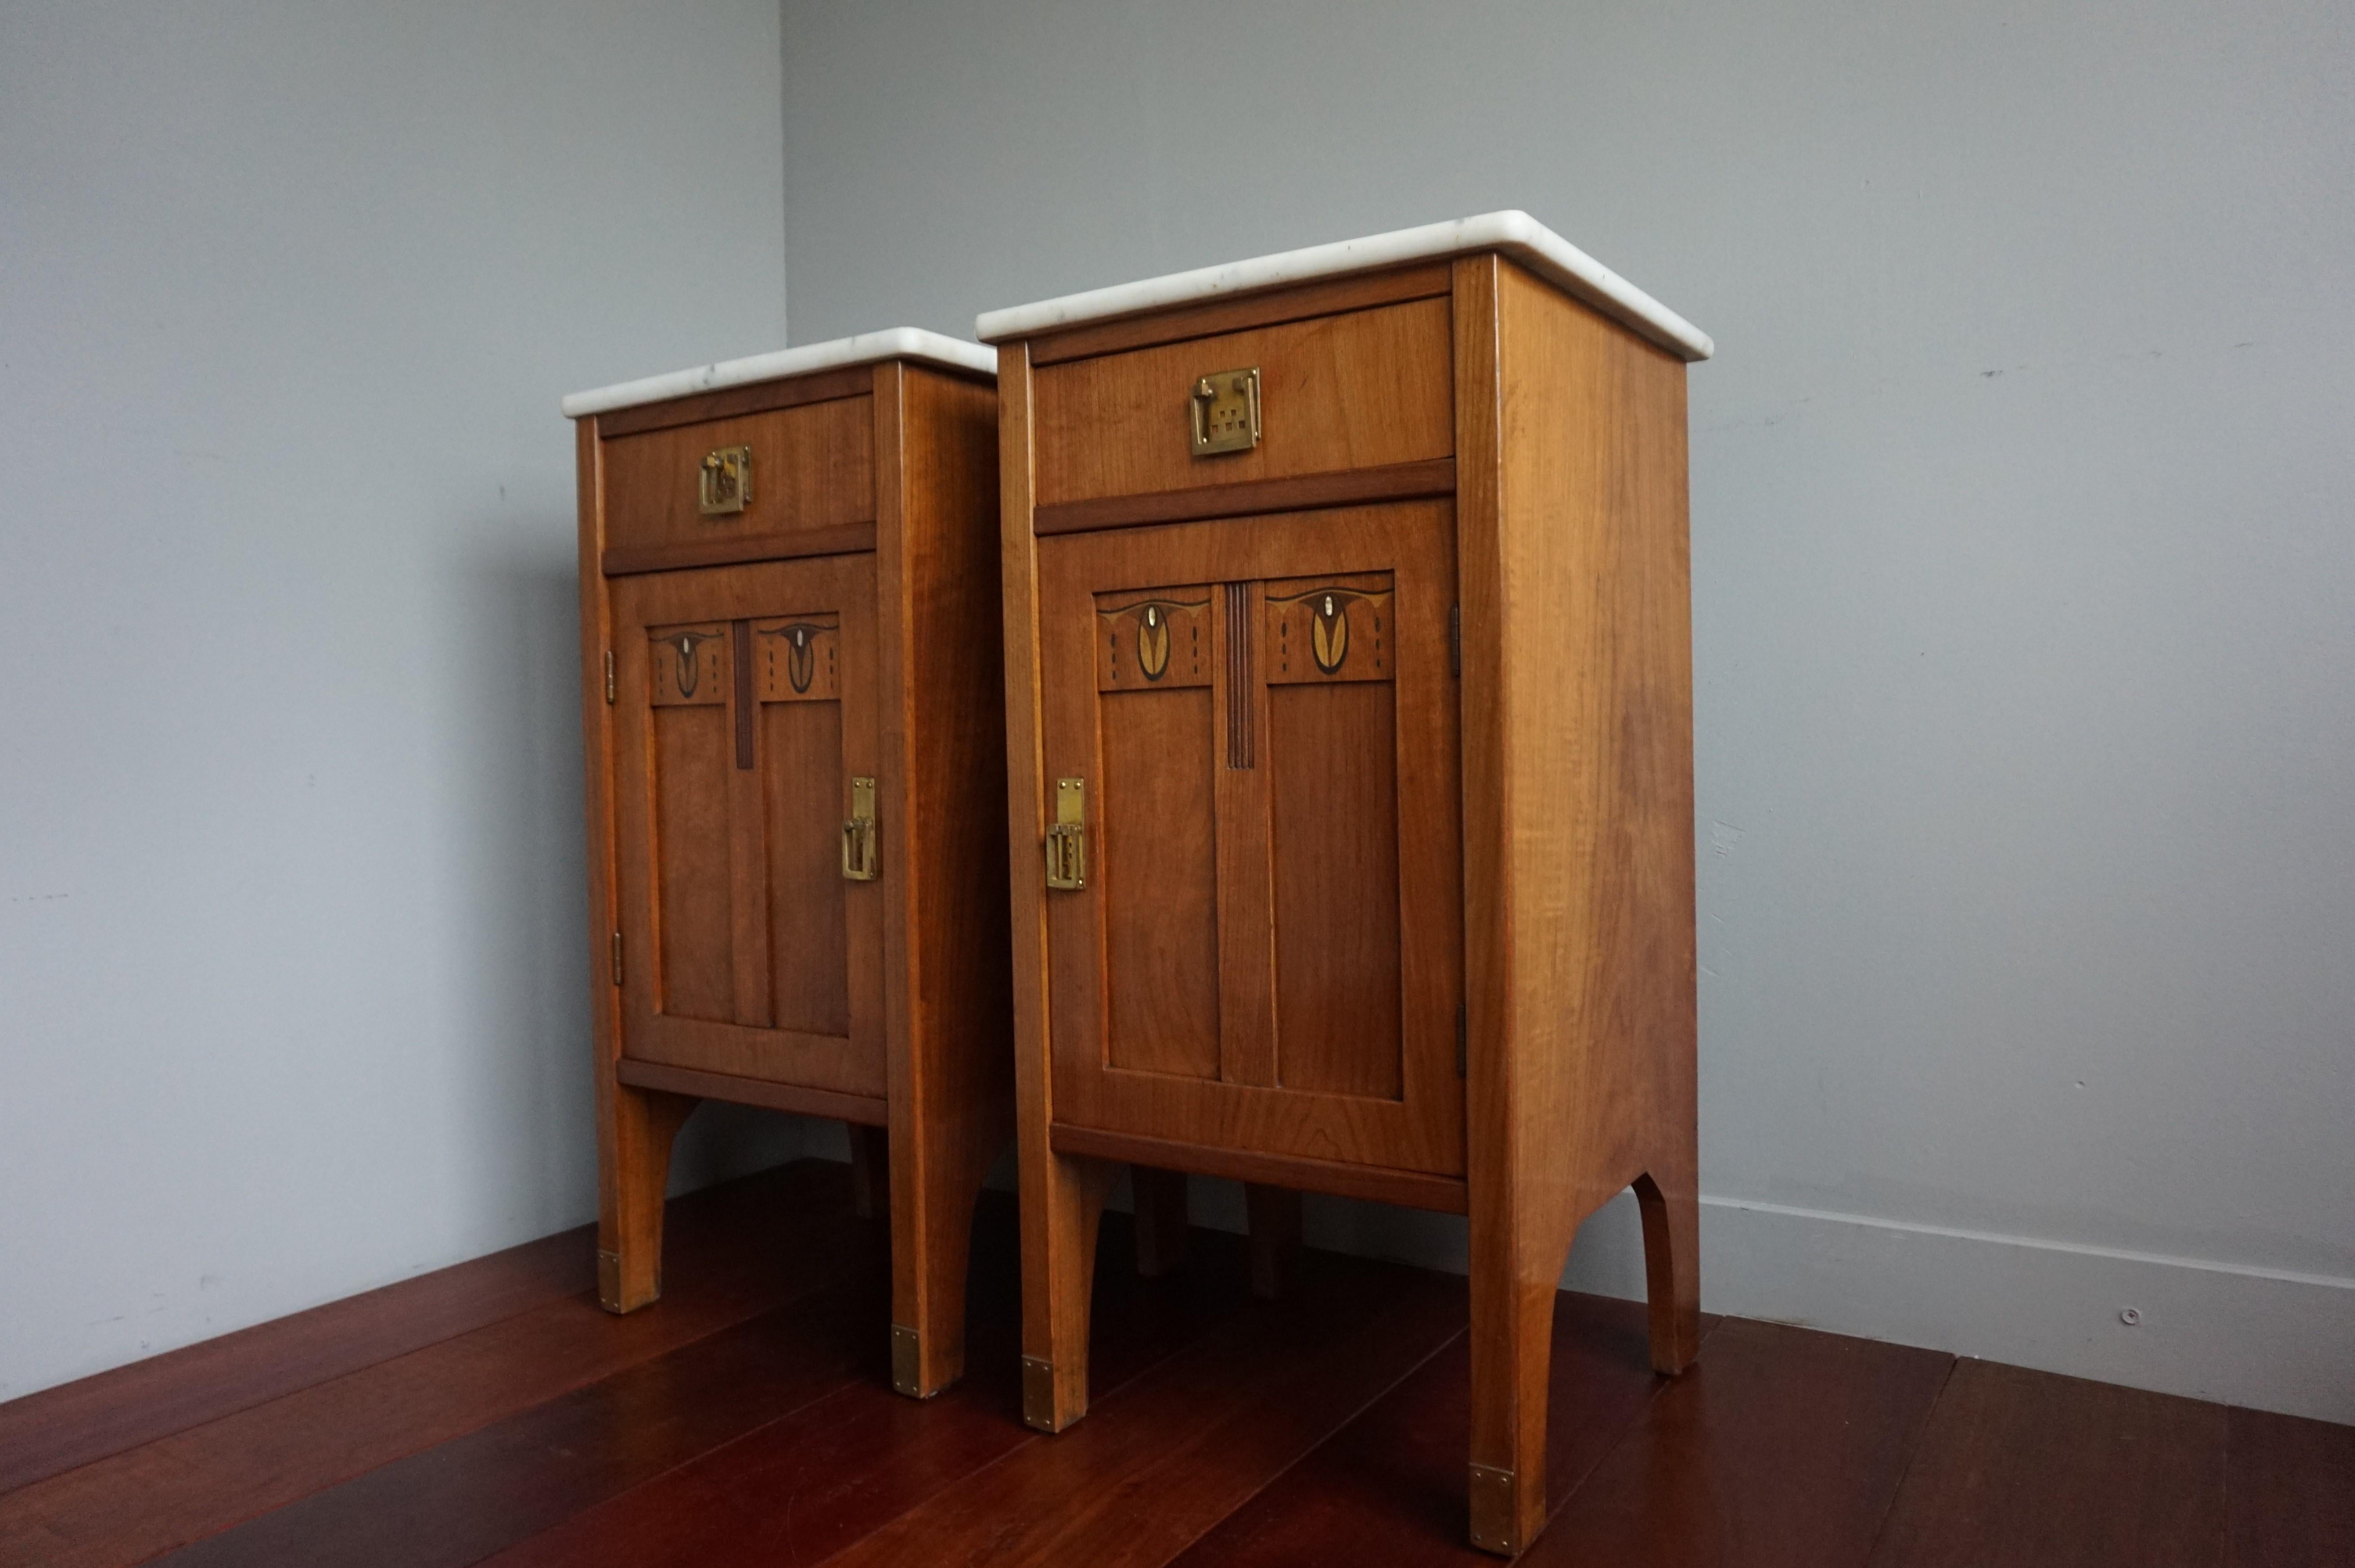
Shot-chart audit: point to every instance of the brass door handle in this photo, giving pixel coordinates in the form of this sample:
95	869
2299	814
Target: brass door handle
861	851
723	481
1224	411
1067	843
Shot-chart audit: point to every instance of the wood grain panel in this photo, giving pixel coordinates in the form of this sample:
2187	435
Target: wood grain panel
689	789
813	467
1332	767
2021	1467
1153	859
1360	390
808	919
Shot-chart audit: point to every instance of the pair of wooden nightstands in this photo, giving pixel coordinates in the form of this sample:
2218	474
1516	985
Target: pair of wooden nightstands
1315	632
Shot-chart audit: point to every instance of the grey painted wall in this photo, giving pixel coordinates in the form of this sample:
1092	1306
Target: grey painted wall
292	985
2022	562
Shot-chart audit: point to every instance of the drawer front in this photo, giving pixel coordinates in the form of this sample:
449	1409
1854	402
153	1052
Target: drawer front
1364	390
812	466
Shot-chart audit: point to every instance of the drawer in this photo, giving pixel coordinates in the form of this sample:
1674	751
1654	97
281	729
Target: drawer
813	467
1365	389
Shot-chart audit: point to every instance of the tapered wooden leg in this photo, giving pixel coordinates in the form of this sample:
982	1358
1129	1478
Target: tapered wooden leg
1162	1225
937	1161
1275	1215
1062	1205
870	1171
1671	1211
1512	1345
632	1167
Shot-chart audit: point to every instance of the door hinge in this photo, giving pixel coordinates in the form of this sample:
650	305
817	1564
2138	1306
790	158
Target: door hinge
609	675
617	958
1462	1043
1455	644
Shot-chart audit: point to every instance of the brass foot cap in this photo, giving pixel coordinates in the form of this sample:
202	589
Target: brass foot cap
1493	1496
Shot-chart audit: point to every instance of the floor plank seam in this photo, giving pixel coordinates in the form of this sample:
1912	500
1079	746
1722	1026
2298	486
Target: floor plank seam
1660	1385
295	1392
793	1299
289	1393
1314	1448
1913	1453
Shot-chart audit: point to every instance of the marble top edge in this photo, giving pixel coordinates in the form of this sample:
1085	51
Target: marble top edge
1515	234
866	348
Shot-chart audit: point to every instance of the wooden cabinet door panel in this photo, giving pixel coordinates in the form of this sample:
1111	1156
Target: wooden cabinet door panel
745	703
1267	951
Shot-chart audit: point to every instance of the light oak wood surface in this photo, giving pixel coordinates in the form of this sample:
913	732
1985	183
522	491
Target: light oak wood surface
813	467
1411	921
741	674
1363	389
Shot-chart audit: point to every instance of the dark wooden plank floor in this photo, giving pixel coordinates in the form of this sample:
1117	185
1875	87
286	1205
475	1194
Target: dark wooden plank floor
491	1414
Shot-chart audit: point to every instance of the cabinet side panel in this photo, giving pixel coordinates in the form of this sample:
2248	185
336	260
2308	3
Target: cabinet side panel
955	672
951	1061
1599	683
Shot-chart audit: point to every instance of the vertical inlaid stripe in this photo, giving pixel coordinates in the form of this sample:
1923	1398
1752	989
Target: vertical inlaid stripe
739	651
1239	702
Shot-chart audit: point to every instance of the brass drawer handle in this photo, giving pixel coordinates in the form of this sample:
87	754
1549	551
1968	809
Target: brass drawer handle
1224	409
861	853
723	484
1067	843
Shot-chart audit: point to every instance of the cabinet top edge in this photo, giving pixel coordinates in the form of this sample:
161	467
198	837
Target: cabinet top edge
866	348
1511	233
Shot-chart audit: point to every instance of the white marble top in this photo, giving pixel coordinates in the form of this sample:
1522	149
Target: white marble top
1515	234
866	348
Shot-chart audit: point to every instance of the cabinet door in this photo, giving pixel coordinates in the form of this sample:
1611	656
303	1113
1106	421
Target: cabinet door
1267	951
746	708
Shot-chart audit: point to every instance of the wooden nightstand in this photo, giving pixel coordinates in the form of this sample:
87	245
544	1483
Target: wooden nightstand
1348	689
796	786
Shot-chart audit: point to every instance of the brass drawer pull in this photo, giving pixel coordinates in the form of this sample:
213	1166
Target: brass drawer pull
1224	408
723	484
1067	843
861	854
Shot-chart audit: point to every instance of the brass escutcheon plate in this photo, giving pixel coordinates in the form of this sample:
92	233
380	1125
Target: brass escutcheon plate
1224	409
